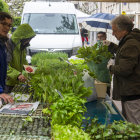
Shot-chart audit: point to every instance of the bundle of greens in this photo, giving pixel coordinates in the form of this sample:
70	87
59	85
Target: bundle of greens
94	53
83	52
97	58
99	53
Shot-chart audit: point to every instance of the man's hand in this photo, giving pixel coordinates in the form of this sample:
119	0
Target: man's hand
106	42
6	98
22	78
109	65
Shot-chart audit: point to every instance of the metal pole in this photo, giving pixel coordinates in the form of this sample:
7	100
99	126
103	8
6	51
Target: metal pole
90	38
119	8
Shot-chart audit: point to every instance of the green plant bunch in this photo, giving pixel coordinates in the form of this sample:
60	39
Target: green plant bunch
68	110
83	52
47	55
80	64
118	130
77	61
52	63
4	6
64	81
98	53
46	66
95	53
16	22
68	132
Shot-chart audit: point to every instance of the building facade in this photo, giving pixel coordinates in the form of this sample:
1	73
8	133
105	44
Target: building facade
131	9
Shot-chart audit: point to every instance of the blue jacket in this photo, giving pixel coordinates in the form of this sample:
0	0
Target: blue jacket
3	66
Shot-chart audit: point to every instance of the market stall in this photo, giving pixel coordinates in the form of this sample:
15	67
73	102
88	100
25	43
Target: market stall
57	103
61	100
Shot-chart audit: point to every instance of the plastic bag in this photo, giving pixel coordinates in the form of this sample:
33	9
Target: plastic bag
103	74
89	82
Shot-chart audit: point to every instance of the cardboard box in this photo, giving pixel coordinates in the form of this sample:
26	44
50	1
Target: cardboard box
101	89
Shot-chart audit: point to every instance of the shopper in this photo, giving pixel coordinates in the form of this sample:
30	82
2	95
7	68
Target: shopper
16	55
84	34
101	36
86	39
126	83
5	24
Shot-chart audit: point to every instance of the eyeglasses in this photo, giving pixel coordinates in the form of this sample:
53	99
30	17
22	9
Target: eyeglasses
6	24
99	37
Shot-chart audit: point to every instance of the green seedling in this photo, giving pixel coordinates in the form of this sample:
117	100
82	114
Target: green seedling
26	120
12	133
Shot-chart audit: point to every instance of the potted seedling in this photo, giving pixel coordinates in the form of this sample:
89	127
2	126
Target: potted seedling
28	119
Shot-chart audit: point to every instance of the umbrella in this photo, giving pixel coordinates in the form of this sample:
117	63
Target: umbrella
99	22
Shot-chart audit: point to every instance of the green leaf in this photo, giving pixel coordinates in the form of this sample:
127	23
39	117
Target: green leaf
29	119
119	136
98	136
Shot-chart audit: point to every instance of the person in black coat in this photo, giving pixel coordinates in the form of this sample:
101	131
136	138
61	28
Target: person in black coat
84	34
5	25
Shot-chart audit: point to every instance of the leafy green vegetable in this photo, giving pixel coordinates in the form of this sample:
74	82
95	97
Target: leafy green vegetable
80	64
98	53
68	132
47	55
83	52
64	81
68	111
115	131
94	53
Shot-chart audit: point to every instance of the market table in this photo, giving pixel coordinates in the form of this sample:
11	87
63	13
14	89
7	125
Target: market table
96	108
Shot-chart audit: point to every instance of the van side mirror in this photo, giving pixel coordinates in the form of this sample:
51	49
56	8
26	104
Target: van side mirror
13	29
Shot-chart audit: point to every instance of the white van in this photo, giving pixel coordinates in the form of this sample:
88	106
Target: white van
55	25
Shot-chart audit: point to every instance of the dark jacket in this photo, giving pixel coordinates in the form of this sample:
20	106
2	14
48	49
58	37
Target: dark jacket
84	32
126	82
3	66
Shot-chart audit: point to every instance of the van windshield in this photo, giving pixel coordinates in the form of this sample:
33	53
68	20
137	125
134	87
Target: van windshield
52	23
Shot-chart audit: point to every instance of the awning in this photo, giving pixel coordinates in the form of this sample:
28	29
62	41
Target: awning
81	16
109	0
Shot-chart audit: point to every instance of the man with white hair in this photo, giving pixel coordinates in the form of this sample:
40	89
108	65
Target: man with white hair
126	82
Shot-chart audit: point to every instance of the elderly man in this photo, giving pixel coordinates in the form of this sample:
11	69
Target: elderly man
5	24
126	82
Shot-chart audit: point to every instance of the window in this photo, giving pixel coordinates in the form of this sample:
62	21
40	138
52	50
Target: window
51	23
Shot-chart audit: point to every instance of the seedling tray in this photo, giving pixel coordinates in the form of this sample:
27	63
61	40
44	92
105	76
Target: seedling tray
21	88
13	126
3	137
